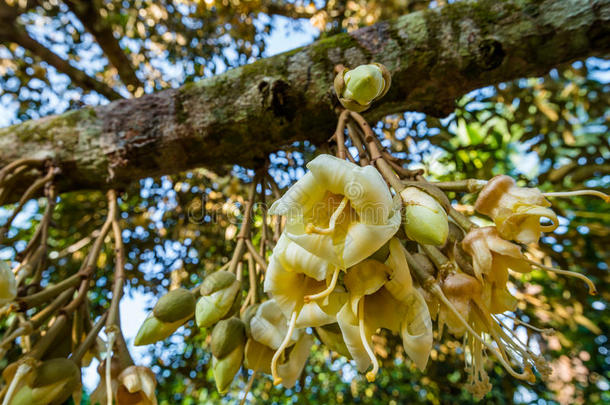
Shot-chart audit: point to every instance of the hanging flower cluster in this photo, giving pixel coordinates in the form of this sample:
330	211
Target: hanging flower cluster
356	247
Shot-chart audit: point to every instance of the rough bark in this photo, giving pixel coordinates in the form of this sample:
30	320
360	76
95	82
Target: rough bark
239	117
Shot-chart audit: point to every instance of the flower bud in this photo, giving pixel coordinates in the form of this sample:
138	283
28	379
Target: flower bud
246	317
227	334
425	219
359	87
225	368
153	330
136	386
175	305
8	284
219	292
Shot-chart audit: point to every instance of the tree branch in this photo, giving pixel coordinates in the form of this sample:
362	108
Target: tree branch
87	12
17	34
238	117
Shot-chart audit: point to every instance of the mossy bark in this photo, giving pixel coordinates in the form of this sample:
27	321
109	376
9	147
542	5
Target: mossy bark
240	116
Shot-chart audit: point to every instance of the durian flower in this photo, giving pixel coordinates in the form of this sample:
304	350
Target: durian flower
464	311
136	386
339	211
516	211
492	257
295	276
8	284
383	296
275	346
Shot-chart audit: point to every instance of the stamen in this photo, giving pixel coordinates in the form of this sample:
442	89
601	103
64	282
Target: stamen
592	289
370	376
327	291
22	370
594	193
544	331
311	228
525	375
278	353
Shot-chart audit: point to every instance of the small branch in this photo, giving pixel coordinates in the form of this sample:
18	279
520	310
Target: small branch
465	186
119	266
89	340
376	157
339	134
461	220
20	36
244	232
259	259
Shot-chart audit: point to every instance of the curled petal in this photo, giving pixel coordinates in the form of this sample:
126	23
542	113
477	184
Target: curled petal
269	325
348	322
416	330
291	369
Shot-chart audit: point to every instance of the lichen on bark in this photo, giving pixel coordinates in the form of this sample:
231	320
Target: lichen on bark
241	116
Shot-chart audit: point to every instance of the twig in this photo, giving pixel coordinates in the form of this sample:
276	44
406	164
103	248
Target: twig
339	135
244	232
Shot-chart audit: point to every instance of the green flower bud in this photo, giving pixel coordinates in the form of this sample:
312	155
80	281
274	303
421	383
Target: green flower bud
359	87
247	316
332	338
219	291
175	305
153	330
217	281
227	334
225	369
425	220
8	284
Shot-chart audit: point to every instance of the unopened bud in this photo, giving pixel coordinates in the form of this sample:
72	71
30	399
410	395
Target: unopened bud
247	315
359	87
226	368
153	330
8	284
219	291
175	305
425	219
227	334
217	281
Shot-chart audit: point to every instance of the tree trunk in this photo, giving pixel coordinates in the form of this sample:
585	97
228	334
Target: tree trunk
240	116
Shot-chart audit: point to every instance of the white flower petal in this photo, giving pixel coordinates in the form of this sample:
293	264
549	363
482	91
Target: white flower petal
348	322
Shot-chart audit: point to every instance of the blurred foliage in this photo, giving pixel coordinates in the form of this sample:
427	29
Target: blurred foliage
550	132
